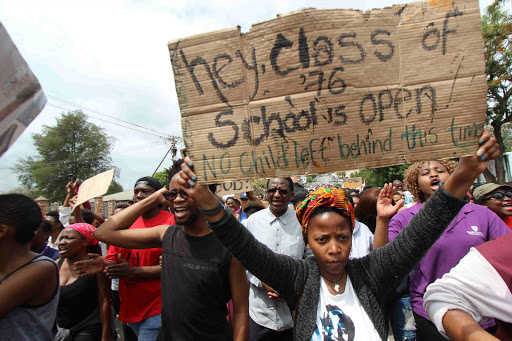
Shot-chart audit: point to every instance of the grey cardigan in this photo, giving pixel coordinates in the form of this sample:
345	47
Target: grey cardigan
373	276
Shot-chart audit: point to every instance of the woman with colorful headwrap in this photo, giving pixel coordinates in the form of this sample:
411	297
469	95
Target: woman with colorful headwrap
334	297
83	313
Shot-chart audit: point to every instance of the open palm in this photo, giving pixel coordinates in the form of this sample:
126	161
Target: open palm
385	207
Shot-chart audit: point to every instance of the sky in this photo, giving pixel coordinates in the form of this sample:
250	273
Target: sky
111	57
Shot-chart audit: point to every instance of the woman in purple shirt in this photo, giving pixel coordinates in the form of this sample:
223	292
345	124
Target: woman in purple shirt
473	226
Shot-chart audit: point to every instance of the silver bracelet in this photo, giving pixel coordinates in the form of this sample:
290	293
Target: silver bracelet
212	211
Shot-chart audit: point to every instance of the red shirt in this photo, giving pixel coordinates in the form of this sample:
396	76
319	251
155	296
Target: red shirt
140	297
508	221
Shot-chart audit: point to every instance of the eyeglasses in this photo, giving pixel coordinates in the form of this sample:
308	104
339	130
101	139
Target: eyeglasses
173	194
498	196
273	191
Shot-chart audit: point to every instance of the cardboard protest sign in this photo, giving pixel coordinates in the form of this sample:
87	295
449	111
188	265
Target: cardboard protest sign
233	187
352	182
318	91
21	95
94	187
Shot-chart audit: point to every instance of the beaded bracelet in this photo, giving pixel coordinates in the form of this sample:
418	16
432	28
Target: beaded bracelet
212	211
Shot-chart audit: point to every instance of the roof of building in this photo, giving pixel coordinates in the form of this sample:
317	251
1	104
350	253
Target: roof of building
125	195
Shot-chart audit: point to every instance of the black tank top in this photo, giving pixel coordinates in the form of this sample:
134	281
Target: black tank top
195	287
77	301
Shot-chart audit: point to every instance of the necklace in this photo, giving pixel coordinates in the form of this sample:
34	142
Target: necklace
336	285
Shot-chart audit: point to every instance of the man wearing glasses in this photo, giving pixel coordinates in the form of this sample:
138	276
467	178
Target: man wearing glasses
498	198
278	228
199	274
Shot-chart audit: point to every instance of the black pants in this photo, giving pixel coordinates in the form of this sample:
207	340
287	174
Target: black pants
260	333
427	331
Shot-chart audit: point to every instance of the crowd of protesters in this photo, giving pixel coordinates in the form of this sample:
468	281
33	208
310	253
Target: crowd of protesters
181	263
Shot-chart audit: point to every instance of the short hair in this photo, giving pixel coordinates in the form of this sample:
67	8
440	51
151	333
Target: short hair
22	213
88	216
46	225
253	207
411	177
299	193
290	182
365	188
55	216
174	169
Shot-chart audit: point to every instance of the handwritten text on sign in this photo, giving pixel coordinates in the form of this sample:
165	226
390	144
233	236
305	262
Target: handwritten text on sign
316	91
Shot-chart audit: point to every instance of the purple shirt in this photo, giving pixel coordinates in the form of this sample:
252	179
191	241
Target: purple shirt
473	226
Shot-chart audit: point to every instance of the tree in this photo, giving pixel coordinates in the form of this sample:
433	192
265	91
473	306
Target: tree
380	176
115	187
73	148
162	177
497	34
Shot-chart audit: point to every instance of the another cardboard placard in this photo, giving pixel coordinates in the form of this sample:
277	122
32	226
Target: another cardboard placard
234	187
317	91
94	187
21	95
353	182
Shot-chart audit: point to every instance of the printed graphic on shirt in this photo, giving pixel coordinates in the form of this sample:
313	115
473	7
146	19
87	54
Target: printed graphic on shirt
475	231
336	325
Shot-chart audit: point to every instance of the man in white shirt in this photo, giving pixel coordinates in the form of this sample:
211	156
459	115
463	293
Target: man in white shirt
278	228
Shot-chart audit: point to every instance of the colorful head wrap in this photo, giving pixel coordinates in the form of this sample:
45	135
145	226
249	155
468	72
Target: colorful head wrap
85	230
323	197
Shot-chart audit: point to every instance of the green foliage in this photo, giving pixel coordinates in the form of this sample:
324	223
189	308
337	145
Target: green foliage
74	147
497	34
162	177
380	176
260	186
115	187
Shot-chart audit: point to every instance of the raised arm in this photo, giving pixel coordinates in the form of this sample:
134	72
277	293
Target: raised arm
398	258
70	192
385	210
252	197
283	273
115	230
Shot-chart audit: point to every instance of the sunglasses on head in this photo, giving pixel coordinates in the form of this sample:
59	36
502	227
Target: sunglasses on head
173	194
273	191
498	196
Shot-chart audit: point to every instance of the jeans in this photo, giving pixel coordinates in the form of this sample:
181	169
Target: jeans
147	330
402	320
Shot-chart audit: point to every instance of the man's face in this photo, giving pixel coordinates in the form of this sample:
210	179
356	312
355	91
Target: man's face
39	240
184	209
399	185
279	195
55	223
141	192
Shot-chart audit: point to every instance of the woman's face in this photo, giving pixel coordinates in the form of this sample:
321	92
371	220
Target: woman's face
330	239
356	201
397	196
231	204
503	208
71	243
430	175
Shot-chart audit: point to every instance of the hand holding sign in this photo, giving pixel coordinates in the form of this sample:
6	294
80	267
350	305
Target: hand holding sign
317	91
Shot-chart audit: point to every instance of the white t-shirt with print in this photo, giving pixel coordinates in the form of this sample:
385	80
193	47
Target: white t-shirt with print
342	317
